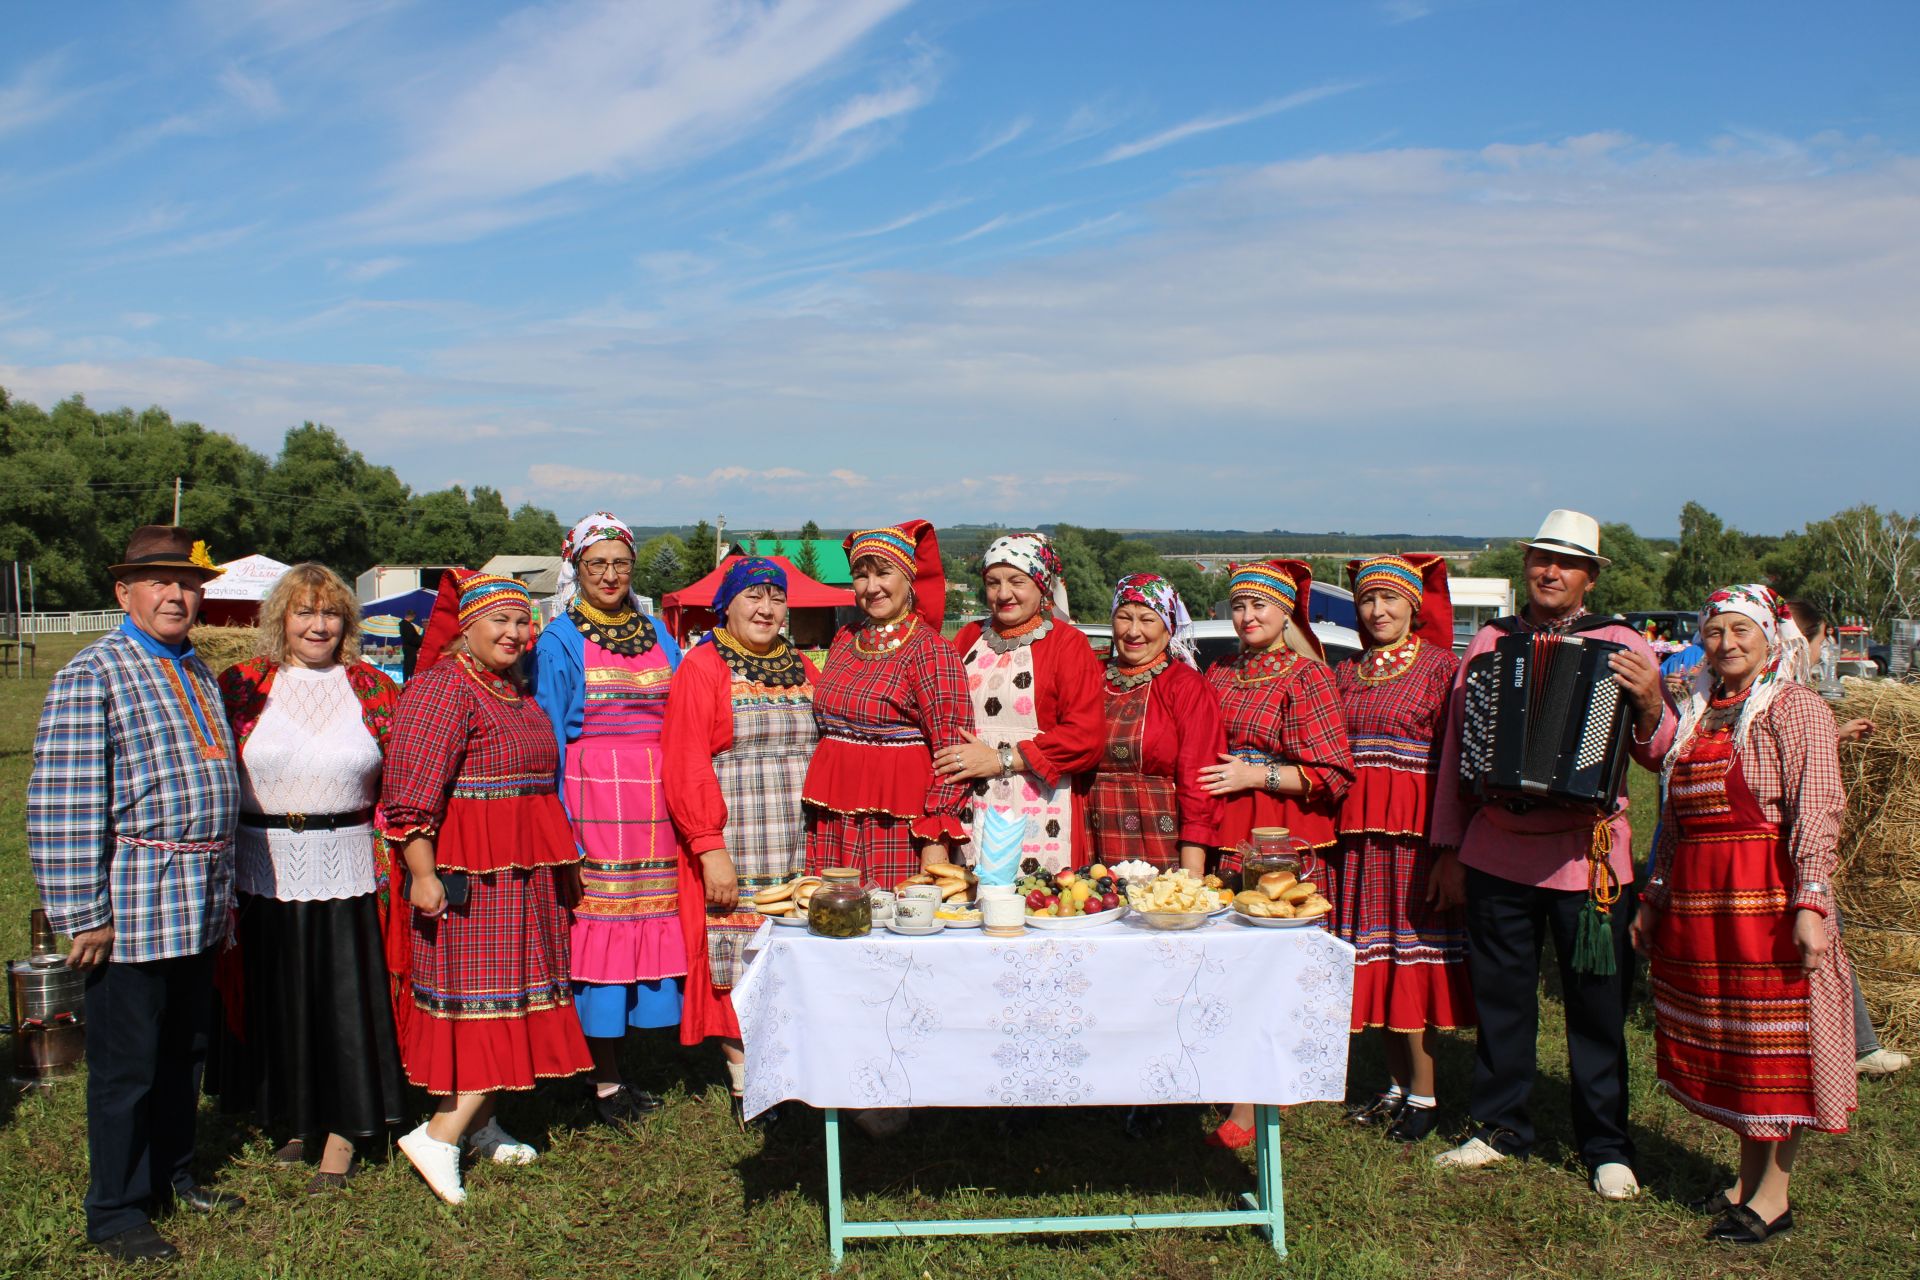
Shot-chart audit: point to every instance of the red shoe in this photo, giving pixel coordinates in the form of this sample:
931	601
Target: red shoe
1231	1136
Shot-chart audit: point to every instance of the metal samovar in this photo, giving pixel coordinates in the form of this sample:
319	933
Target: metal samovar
47	1003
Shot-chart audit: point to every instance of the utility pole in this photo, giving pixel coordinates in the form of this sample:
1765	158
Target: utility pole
719	537
176	500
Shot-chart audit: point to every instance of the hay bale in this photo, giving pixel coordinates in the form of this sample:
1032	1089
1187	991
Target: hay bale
1878	882
221	647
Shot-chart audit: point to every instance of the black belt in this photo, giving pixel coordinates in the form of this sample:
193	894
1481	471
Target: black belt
298	822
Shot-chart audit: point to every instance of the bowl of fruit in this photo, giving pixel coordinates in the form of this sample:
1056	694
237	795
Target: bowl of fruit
1079	898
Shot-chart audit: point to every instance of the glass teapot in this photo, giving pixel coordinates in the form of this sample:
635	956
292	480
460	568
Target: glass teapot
1270	849
841	907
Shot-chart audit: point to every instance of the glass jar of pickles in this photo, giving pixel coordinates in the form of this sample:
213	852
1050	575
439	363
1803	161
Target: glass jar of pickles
1270	849
840	907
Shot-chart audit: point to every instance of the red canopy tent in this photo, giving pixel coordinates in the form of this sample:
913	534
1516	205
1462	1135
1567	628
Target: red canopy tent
690	608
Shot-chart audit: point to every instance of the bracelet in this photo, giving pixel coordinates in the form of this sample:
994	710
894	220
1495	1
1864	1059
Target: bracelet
1273	778
1006	759
1813	886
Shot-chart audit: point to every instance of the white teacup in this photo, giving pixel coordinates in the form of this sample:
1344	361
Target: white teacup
1002	912
914	912
883	905
931	892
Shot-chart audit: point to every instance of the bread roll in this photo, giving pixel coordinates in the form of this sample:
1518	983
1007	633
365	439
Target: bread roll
949	892
773	894
1301	891
944	869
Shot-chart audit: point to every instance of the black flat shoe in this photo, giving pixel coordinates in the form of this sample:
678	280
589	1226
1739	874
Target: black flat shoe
204	1199
1378	1110
292	1152
1413	1124
321	1184
137	1244
1741	1225
1712	1206
763	1122
625	1105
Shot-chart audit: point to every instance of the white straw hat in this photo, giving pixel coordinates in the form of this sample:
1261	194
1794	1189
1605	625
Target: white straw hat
1572	533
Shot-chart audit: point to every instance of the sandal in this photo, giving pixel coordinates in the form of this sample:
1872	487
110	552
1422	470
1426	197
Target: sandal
293	1151
1741	1225
322	1183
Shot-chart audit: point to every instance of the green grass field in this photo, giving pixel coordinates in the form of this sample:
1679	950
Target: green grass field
687	1194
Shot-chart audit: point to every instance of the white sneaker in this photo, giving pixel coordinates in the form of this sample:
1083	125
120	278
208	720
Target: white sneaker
1615	1181
491	1142
1883	1062
436	1161
1471	1154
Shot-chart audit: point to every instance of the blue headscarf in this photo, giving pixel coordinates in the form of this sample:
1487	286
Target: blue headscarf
747	571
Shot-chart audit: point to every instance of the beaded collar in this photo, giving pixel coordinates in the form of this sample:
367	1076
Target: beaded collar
1268	664
1722	710
1127	678
886	636
627	633
1018	637
1389	661
490	680
779	669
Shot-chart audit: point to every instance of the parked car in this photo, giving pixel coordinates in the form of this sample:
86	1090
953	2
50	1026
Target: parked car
1675	625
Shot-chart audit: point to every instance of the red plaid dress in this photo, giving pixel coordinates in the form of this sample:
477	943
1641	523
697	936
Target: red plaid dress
871	793
1411	959
1281	707
471	762
1159	736
1749	835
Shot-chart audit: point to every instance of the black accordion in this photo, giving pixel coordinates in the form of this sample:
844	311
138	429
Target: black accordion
1545	723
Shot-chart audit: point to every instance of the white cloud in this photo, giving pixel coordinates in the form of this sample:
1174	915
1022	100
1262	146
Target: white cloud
605	90
1209	124
1011	133
34	96
372	269
1446	340
1002	221
255	93
851	126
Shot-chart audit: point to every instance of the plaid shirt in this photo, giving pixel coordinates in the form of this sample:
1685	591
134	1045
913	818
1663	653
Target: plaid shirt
131	808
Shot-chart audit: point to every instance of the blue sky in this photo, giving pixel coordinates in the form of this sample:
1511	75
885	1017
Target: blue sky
1415	265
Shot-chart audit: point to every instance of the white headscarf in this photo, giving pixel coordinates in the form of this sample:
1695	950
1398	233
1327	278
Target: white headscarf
597	527
1034	556
1787	660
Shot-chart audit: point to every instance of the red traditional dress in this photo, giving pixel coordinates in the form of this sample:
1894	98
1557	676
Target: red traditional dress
1282	708
1162	727
871	793
471	762
1749	835
1039	691
1410	957
738	737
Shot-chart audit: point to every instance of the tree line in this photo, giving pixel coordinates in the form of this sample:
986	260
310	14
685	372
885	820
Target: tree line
75	482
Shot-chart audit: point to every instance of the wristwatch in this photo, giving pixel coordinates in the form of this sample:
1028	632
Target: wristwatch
1273	778
1006	759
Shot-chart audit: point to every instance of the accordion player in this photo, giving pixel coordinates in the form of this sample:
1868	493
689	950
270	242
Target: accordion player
1546	721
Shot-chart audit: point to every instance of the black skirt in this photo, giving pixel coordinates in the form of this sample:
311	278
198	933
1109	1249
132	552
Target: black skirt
317	1053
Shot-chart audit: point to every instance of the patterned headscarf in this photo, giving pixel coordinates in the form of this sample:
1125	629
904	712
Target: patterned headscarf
744	572
1034	556
1159	595
464	598
597	527
913	548
1786	660
1266	580
1391	573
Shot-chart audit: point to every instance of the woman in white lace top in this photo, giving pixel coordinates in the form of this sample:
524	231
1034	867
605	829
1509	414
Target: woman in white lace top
310	1043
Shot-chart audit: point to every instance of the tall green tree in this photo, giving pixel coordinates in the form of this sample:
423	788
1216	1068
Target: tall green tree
1635	579
807	560
1710	556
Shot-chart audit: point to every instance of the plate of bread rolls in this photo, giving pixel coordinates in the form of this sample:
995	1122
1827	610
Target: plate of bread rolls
1280	900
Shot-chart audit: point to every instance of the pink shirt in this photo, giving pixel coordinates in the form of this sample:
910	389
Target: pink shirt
1544	847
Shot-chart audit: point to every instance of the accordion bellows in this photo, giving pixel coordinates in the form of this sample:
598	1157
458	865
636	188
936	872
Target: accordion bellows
1545	723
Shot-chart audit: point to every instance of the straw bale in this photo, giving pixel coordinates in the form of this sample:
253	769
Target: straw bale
221	647
1878	883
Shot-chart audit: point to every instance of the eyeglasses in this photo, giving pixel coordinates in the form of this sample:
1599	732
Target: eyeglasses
606	568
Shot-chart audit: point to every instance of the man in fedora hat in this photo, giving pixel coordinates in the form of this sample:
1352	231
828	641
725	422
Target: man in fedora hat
1523	872
130	816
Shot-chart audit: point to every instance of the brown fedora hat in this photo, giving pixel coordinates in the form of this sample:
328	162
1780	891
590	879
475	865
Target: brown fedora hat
167	546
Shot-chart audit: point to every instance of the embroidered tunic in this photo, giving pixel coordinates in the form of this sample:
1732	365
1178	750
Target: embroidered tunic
472	761
871	793
1146	799
1410	957
1749	835
130	809
1282	708
1042	693
736	753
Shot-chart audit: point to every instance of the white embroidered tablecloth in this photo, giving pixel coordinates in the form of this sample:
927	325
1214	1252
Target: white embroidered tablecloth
1115	1015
